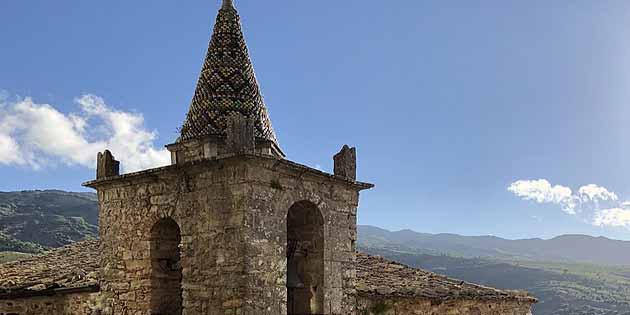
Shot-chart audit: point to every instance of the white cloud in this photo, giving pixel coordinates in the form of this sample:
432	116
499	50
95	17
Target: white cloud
7	148
591	203
617	217
542	191
38	135
593	192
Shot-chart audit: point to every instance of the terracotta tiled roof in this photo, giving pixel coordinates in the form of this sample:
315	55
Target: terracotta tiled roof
227	84
75	266
70	267
377	276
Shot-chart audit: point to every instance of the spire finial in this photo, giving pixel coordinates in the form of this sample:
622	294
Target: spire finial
227	4
227	85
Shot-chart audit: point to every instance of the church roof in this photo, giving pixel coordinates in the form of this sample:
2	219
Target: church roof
227	84
63	269
377	276
75	267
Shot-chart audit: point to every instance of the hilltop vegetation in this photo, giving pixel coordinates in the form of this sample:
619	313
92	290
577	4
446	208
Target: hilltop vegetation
31	221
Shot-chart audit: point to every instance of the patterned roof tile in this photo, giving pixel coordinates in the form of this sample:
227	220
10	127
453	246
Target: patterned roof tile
227	84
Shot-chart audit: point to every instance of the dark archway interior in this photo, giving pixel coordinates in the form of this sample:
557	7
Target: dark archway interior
166	271
305	259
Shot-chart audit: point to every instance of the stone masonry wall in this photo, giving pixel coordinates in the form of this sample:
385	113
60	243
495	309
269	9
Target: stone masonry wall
268	204
232	216
369	306
70	304
201	201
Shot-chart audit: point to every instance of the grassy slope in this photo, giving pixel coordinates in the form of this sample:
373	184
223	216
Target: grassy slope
11	256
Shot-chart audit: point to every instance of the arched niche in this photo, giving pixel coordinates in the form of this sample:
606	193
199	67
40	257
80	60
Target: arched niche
305	259
166	271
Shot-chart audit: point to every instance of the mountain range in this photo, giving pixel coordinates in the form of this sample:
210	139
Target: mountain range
565	248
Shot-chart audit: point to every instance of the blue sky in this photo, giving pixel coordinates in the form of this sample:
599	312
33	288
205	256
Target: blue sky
462	112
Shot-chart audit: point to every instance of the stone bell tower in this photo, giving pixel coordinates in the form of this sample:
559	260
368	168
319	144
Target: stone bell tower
231	227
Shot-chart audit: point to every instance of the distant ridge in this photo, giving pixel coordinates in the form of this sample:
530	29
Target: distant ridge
565	248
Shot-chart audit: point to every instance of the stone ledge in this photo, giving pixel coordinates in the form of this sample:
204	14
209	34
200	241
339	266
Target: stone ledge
147	174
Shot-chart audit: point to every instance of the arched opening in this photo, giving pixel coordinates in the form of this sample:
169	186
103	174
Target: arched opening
166	270
305	259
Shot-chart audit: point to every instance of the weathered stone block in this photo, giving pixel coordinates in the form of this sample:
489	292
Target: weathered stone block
240	134
346	163
106	165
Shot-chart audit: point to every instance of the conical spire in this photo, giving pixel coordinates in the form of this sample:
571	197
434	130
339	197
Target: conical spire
227	84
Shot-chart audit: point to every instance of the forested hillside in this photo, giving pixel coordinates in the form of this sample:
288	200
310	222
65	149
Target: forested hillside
31	221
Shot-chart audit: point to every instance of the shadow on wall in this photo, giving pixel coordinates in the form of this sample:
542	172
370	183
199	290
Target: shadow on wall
305	259
166	270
